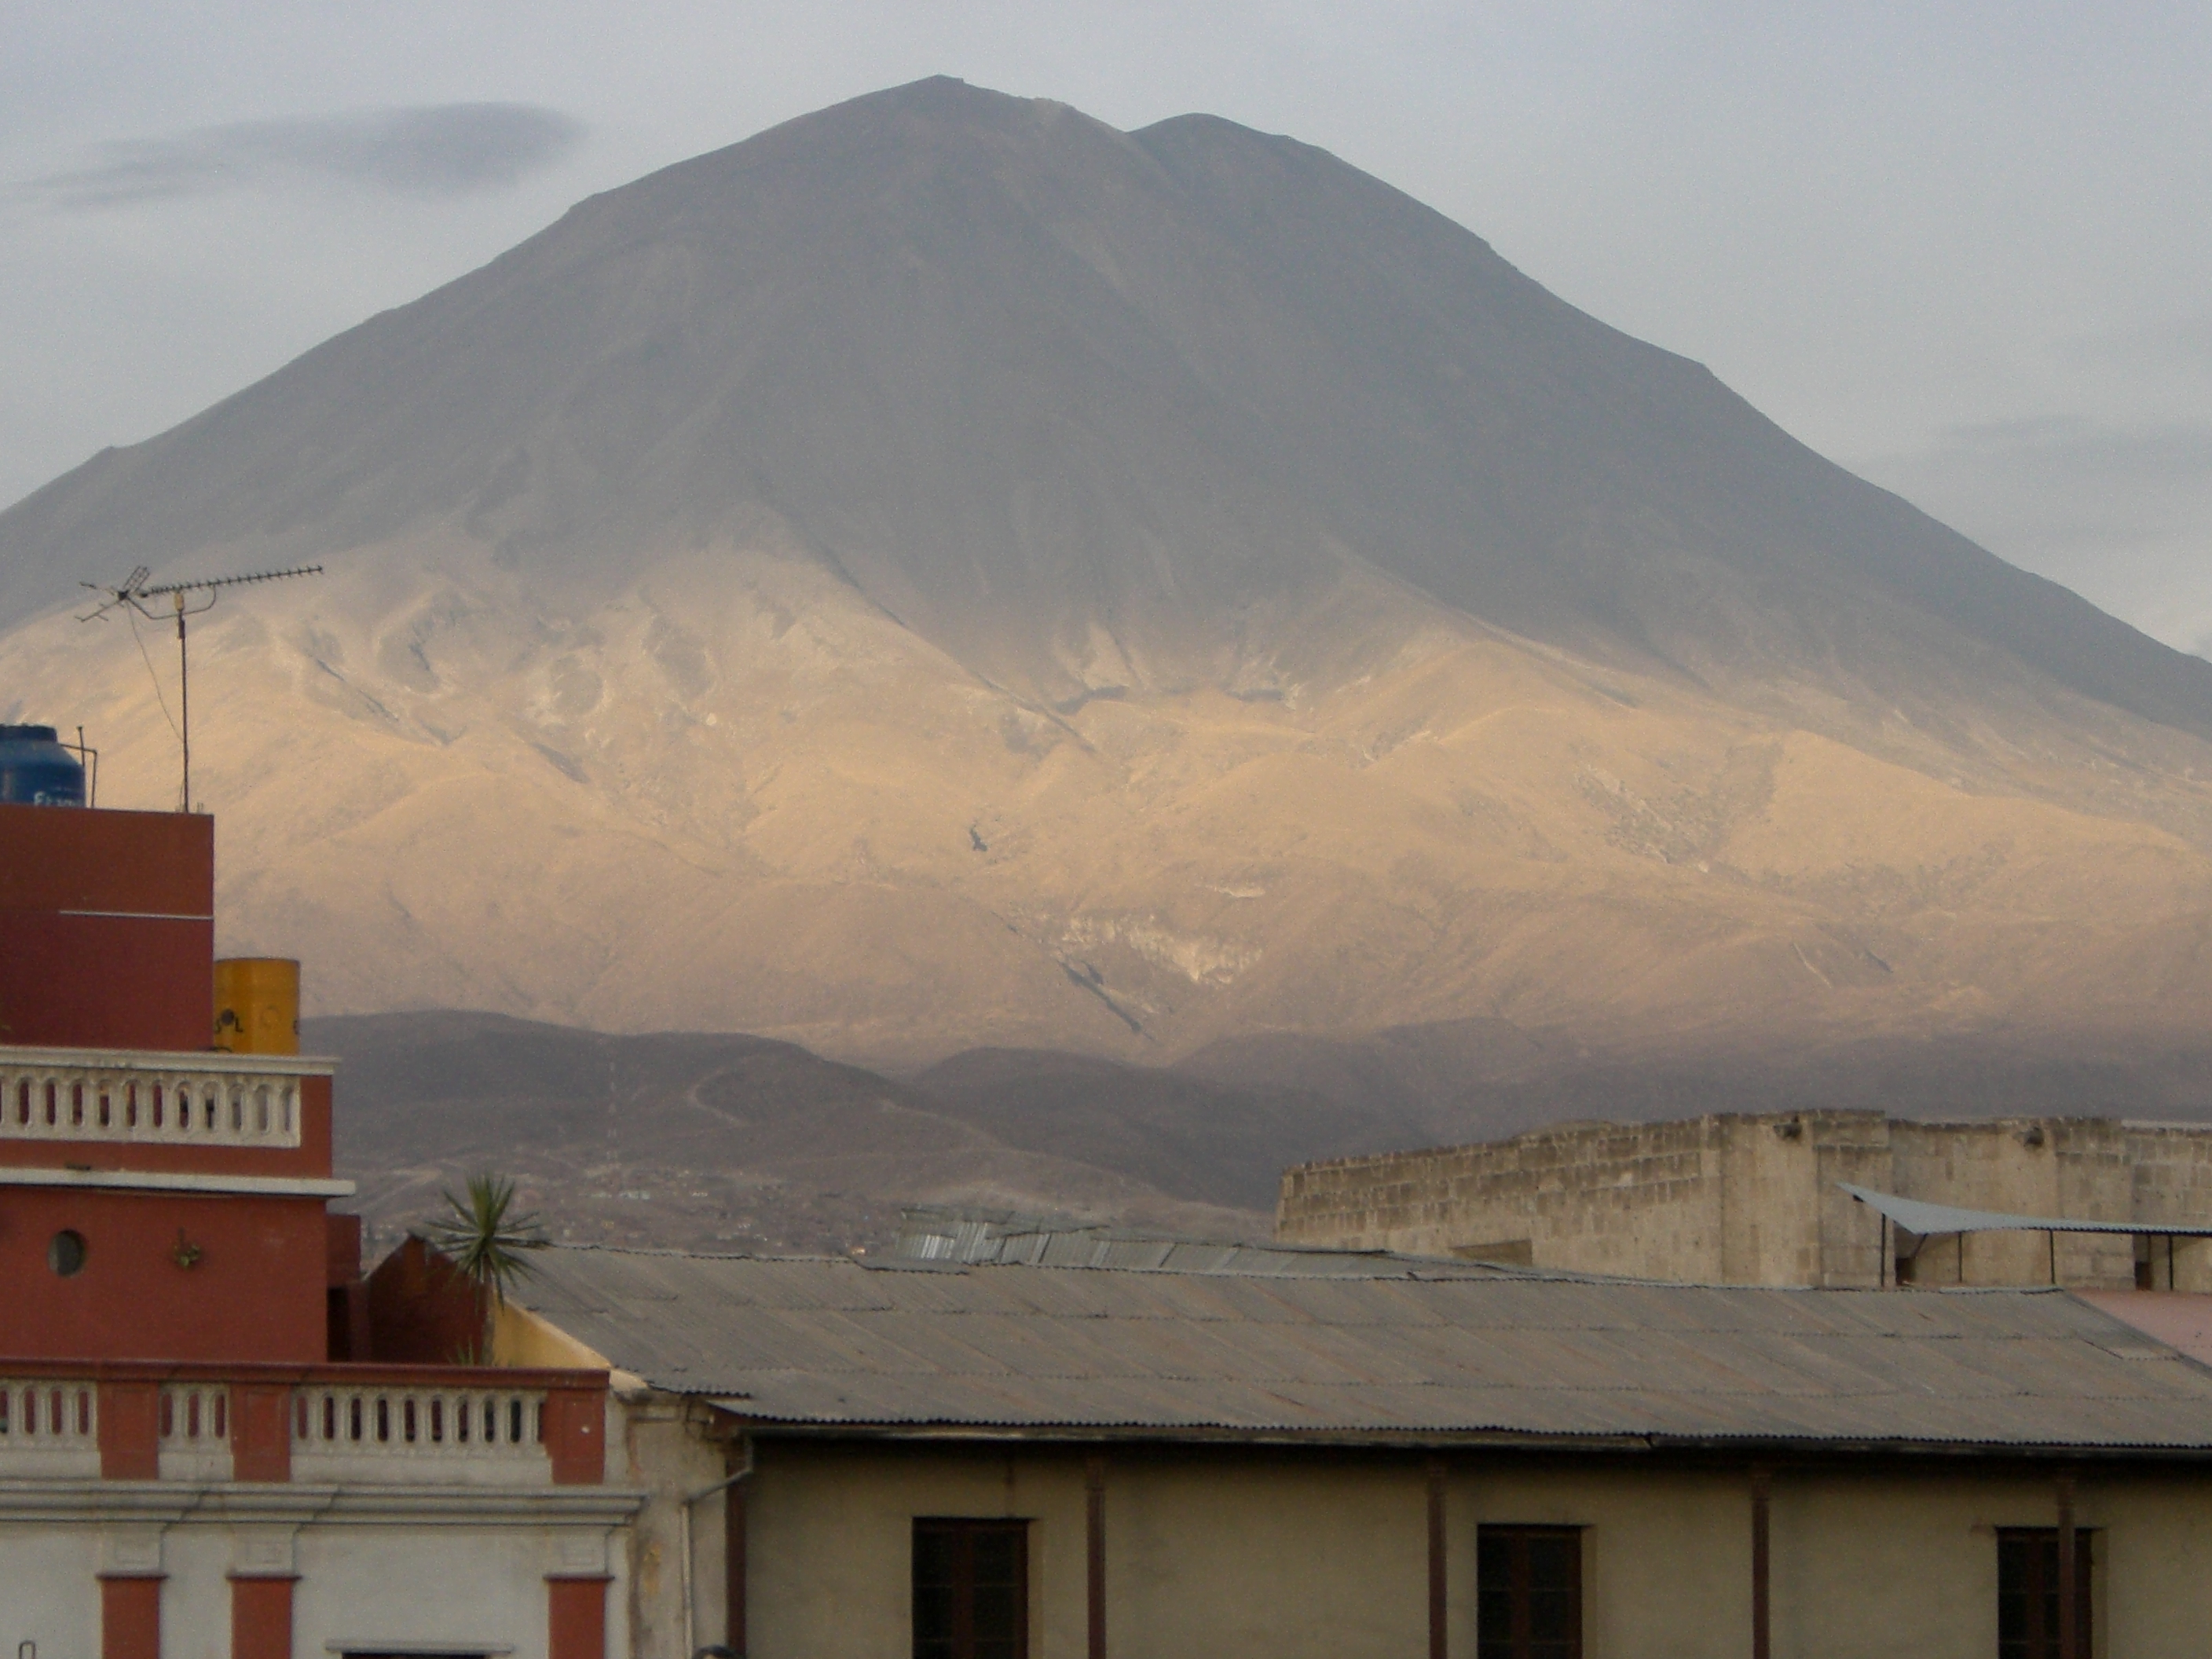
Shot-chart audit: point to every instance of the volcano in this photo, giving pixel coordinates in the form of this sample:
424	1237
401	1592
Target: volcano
945	572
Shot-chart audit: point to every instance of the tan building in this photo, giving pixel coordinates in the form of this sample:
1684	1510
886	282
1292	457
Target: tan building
1762	1201
1323	1457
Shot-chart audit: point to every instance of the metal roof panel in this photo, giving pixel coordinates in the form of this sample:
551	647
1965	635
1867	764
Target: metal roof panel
998	1346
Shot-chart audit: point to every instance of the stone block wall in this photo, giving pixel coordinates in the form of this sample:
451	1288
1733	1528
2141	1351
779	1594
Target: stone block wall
1755	1198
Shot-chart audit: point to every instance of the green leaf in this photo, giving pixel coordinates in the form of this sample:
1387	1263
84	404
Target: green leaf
485	1238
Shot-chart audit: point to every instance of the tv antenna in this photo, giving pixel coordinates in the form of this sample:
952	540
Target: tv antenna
185	600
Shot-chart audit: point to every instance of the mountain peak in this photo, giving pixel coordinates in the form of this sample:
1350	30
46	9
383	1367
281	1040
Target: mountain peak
1057	395
945	570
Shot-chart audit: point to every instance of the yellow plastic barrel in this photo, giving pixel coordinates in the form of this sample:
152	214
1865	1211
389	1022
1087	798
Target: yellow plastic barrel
256	1005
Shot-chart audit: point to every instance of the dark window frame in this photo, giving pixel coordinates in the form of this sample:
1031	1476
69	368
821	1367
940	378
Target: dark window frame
2027	1569
947	1591
1527	1554
67	1252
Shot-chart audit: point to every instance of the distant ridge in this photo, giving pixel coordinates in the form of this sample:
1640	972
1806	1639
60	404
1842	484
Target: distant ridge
703	1142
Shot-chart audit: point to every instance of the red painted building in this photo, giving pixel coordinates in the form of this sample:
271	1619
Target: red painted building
199	1449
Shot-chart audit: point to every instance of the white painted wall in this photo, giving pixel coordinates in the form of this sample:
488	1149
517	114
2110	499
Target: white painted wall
196	1600
48	1592
466	1582
460	1588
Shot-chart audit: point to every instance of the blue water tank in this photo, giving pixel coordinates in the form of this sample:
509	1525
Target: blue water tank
36	771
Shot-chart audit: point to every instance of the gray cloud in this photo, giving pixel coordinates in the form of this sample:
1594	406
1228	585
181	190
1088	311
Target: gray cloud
2121	515
2158	447
2060	472
435	150
2183	342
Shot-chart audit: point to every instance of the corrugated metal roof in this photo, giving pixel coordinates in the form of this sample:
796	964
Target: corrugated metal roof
932	1232
1918	1216
828	1342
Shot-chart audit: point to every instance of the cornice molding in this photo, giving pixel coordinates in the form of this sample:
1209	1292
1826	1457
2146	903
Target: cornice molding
166	1181
173	1502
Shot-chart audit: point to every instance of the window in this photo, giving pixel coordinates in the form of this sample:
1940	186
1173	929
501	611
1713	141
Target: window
2153	1264
1514	1252
1529	1592
66	1254
971	1589
2028	1593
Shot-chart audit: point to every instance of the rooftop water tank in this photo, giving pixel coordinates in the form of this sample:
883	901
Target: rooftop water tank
256	1005
36	771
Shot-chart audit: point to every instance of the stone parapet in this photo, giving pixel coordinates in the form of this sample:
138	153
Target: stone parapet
1757	1199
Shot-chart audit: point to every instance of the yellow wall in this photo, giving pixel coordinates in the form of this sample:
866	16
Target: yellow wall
1283	1554
1204	1560
519	1337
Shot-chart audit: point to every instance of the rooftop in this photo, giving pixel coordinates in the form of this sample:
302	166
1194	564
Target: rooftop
946	1233
1419	1355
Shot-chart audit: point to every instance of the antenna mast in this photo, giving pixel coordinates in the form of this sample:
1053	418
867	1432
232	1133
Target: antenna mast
135	592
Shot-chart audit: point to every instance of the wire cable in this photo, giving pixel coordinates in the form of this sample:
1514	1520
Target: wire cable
131	615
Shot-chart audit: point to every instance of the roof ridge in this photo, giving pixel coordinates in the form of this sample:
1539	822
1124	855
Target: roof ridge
690	1255
1426	1270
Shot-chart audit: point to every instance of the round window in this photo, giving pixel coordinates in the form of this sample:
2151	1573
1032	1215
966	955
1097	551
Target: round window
65	1255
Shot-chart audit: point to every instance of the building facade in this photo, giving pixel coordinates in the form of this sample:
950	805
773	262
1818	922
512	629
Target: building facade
199	1453
945	1460
1760	1199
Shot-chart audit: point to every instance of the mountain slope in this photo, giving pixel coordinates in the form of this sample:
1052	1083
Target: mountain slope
711	1142
1025	380
944	574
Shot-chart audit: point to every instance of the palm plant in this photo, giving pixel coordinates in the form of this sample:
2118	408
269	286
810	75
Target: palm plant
485	1238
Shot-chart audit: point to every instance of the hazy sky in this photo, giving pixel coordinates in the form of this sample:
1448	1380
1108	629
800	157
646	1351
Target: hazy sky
1962	248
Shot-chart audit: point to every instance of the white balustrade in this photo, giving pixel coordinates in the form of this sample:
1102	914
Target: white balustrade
342	1432
462	1436
49	1429
151	1099
194	1443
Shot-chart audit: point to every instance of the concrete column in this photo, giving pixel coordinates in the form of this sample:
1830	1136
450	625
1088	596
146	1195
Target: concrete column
1439	1591
734	1566
1094	1541
2069	1591
1762	1604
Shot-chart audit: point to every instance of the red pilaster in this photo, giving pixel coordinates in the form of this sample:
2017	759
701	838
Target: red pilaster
576	1617
131	1616
261	1618
577	1435
261	1432
130	1432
